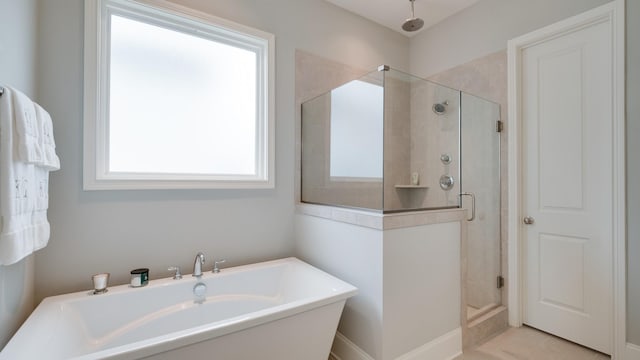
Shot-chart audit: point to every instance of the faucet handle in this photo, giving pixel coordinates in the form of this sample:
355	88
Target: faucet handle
216	269
177	275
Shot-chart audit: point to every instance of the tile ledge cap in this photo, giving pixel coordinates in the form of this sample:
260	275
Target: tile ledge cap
381	221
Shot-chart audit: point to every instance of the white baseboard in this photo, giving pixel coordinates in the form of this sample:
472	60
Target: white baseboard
344	349
632	352
445	347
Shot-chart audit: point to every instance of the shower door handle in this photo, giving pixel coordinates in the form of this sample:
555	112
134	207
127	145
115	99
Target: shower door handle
473	204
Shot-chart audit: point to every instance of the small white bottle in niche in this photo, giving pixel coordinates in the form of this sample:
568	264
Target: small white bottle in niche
415	178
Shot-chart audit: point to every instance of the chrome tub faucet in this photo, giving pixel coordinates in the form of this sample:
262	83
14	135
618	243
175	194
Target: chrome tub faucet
197	265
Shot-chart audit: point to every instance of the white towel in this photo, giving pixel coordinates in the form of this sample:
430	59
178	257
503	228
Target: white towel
50	160
24	227
26	126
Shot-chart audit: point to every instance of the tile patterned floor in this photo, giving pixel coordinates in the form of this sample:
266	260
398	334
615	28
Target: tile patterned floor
526	343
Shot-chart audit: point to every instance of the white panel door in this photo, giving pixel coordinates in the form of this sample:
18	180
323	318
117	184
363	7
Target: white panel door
567	187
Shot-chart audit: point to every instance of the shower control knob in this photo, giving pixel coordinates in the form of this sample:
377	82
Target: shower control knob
528	220
446	182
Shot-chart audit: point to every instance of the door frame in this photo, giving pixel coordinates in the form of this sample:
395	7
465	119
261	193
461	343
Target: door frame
613	12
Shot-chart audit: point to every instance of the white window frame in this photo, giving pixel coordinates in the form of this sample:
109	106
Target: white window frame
96	103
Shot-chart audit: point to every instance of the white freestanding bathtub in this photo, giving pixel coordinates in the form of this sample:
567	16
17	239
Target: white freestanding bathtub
277	310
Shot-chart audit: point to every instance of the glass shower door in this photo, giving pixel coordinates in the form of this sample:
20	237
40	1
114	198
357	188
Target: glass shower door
480	149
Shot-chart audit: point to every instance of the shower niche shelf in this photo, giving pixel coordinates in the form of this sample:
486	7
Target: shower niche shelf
401	186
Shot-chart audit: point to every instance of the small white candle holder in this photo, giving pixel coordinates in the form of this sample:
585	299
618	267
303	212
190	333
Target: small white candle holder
100	282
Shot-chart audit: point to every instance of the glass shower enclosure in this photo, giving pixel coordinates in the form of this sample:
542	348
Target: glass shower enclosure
480	153
392	142
386	142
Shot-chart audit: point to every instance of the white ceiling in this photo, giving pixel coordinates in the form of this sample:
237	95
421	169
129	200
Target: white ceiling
392	13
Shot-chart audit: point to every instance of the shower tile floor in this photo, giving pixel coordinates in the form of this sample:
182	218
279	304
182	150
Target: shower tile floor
526	343
474	312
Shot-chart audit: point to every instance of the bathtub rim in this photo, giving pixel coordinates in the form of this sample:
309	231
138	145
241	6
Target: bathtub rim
148	347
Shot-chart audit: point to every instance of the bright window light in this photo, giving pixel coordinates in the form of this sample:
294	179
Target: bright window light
175	98
179	103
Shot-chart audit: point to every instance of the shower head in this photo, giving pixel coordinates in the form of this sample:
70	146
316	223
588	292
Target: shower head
440	108
413	23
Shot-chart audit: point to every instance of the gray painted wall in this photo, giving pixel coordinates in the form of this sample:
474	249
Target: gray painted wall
116	231
17	68
484	29
633	171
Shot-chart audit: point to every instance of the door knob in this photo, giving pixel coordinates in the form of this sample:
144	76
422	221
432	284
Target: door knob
528	220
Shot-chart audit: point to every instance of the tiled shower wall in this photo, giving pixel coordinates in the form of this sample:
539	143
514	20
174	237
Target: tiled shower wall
414	139
317	185
481	177
433	135
316	76
485	77
397	150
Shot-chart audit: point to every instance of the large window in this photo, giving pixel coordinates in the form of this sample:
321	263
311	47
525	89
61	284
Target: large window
175	99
